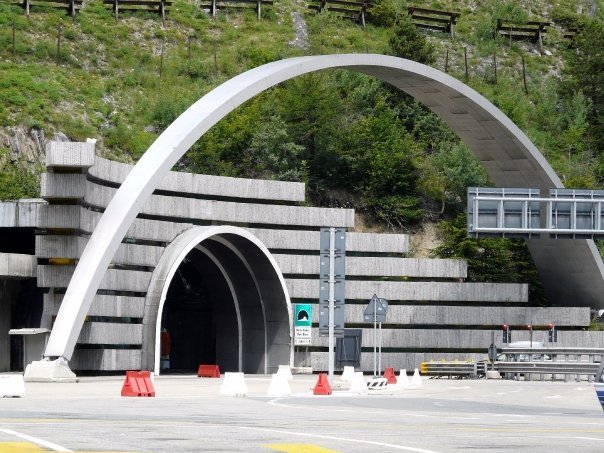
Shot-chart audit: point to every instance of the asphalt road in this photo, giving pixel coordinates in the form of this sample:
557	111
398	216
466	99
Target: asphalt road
189	415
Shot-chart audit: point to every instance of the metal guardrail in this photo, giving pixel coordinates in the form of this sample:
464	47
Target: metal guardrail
473	370
550	361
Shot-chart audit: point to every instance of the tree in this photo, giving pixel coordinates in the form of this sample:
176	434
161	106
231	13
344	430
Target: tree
584	73
490	259
409	43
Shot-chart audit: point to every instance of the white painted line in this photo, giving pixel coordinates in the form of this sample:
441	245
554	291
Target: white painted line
599	439
341	439
35	440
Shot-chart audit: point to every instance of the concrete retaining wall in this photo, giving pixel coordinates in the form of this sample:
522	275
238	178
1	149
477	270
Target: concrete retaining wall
229	212
291	233
378	266
406	315
428	291
16	265
106	359
218	186
102	305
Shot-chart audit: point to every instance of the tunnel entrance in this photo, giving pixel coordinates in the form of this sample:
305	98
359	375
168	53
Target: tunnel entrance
217	297
188	327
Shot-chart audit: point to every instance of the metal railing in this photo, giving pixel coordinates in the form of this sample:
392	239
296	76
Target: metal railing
473	370
566	362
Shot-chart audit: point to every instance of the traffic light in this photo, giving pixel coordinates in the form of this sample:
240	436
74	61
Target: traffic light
507	335
552	334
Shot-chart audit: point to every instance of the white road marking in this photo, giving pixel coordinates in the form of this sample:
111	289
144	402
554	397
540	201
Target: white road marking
553	396
35	440
599	439
342	439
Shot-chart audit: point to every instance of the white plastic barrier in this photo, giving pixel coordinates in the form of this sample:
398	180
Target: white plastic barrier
286	371
358	384
348	374
12	386
233	385
416	380
403	379
377	383
279	386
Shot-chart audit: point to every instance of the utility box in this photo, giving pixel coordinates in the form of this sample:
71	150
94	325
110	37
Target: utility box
34	343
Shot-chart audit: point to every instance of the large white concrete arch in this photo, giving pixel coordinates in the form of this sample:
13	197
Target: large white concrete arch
508	155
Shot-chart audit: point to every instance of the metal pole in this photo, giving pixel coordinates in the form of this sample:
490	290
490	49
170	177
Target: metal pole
374	338
332	253
380	351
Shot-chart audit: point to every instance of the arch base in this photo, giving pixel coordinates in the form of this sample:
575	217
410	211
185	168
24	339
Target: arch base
49	371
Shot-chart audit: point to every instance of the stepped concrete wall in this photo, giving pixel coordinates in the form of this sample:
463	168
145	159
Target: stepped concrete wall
421	290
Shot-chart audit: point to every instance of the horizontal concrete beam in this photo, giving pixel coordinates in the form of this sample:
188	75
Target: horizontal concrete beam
62	185
22	213
111	333
59	216
463	338
219	186
54	246
102	305
474	316
378	266
151	230
114	279
16	265
355	242
229	212
418	291
69	155
106	360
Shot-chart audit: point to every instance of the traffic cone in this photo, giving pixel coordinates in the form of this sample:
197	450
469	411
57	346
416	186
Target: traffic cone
390	376
322	387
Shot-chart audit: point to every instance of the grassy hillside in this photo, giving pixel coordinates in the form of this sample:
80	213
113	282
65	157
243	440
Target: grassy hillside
353	140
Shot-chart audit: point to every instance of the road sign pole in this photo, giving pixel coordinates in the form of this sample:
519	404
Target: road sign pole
332	252
380	352
374	336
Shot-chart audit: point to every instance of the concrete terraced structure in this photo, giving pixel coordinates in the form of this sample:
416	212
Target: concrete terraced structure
432	308
507	154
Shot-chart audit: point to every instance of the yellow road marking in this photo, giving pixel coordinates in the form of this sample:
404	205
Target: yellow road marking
19	447
299	448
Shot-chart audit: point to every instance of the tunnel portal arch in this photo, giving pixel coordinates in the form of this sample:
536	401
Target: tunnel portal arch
506	152
260	299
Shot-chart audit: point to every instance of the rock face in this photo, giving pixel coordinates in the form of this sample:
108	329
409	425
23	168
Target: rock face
26	146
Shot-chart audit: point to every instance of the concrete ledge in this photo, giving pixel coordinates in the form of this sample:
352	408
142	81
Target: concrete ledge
69	155
54	246
59	216
477	316
111	333
102	305
14	265
219	186
62	185
378	266
114	279
416	291
22	213
229	212
153	230
106	359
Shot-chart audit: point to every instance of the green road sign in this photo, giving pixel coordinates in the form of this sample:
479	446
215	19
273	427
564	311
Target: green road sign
303	315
